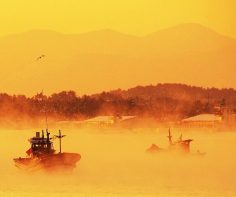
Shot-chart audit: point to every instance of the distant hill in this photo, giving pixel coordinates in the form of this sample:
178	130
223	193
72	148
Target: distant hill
106	59
180	92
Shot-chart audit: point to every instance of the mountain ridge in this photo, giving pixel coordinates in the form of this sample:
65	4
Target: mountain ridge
106	59
192	25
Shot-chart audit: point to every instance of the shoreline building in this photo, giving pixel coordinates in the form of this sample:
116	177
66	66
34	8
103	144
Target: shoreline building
202	121
107	121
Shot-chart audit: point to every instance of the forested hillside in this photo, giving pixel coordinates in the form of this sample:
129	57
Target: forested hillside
163	102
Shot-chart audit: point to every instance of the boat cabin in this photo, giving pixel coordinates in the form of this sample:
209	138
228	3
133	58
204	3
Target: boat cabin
41	145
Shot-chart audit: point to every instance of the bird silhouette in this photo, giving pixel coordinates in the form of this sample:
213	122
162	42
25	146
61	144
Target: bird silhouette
40	57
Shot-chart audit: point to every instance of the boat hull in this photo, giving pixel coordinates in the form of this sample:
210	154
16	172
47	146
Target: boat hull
153	149
49	163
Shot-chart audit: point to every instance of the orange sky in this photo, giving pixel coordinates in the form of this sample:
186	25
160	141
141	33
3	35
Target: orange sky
131	16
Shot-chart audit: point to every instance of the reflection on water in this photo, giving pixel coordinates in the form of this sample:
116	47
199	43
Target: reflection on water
114	163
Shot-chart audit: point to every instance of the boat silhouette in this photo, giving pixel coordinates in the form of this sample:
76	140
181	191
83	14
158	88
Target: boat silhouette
181	146
42	156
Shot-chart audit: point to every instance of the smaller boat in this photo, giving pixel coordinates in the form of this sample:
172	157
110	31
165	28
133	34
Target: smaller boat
42	155
180	146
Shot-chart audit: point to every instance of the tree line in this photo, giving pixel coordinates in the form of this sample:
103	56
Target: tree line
164	102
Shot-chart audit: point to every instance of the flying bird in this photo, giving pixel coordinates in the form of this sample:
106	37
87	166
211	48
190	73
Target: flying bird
40	57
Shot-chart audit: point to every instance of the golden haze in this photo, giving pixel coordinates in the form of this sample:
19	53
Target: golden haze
114	163
175	41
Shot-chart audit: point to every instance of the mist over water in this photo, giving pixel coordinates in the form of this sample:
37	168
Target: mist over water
114	163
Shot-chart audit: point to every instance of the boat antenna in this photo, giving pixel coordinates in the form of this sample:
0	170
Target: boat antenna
169	137
45	111
46	116
180	137
59	136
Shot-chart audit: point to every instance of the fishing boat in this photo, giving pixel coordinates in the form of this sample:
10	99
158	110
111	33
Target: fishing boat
181	146
42	155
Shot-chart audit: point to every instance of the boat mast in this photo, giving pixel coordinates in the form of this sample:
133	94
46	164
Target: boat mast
60	136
